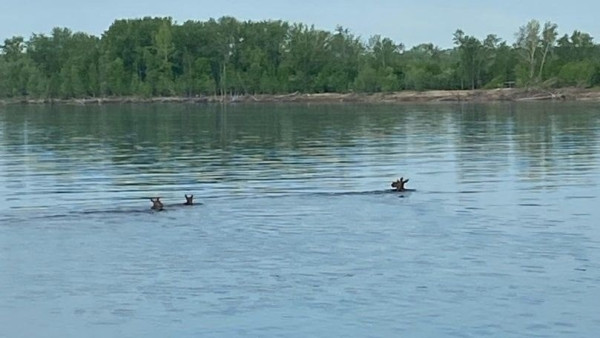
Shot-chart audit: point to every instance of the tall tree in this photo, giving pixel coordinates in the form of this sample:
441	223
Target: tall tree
528	42
471	53
159	59
549	35
341	65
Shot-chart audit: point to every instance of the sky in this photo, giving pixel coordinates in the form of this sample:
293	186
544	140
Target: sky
410	22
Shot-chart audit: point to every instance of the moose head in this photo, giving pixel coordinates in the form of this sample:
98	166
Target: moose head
399	184
189	200
156	203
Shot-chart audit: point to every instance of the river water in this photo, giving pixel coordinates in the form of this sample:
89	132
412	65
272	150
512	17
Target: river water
296	232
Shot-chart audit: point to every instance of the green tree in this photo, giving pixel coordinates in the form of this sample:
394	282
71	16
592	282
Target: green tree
305	56
340	62
367	80
159	73
528	42
502	65
471	55
549	35
384	57
13	67
428	67
577	73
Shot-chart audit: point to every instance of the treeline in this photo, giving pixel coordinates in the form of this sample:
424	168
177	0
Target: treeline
156	57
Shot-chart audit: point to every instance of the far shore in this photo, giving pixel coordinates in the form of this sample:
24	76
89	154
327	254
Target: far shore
431	96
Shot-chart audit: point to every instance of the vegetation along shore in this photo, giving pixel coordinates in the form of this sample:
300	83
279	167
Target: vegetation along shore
431	96
226	60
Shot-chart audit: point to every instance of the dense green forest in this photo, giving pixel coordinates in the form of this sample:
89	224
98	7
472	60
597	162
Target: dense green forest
157	57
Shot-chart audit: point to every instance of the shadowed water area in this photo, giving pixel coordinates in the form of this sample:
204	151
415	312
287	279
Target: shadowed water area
296	231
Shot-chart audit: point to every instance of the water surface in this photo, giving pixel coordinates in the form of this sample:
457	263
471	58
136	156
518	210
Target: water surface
296	232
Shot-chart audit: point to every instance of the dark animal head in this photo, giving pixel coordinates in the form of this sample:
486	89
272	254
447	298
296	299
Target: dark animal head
189	200
156	203
399	184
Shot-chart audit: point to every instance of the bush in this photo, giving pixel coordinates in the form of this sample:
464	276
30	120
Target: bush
578	74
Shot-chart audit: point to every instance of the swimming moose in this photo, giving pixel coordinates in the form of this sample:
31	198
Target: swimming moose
159	206
399	185
156	204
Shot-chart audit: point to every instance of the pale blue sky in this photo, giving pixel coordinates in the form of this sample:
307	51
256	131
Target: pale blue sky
408	21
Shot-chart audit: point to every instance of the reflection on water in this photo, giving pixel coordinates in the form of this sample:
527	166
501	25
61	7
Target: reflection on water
297	233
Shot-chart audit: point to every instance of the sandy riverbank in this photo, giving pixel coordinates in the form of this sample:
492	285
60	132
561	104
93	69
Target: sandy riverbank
491	95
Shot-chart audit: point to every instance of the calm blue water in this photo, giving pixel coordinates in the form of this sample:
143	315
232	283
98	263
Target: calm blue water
297	233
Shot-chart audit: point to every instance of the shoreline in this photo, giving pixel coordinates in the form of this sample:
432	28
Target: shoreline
430	96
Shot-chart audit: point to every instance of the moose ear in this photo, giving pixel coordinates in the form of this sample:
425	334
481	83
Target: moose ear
406	180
